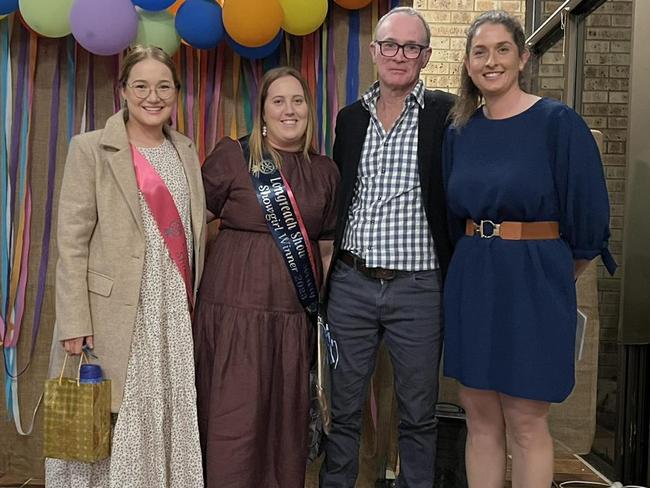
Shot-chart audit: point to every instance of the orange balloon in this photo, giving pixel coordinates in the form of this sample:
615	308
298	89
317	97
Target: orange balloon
173	9
175	6
353	4
252	23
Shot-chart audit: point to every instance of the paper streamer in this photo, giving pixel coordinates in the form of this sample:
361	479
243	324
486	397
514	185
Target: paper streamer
352	79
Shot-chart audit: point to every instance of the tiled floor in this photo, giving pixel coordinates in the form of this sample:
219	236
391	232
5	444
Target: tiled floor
568	467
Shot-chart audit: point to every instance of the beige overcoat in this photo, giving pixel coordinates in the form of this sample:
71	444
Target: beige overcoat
100	241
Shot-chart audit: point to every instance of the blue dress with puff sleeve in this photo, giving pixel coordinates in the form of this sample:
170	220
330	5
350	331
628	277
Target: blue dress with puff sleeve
510	306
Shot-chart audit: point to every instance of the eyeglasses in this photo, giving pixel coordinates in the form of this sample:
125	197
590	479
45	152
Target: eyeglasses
390	49
164	91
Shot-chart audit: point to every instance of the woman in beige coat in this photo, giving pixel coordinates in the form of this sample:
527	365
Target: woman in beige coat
120	292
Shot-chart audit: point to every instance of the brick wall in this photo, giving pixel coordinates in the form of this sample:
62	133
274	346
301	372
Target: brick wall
605	107
449	20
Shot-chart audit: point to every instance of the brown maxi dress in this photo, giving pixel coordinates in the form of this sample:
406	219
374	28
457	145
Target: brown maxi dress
251	333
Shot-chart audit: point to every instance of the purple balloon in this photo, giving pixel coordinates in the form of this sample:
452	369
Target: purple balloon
104	27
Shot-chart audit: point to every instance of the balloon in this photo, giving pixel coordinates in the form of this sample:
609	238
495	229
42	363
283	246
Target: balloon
173	9
8	6
157	29
49	18
24	24
352	4
302	17
200	23
175	6
103	27
152	4
256	52
252	23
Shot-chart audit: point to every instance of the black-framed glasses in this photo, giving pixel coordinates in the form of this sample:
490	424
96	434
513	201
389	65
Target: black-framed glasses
164	91
390	49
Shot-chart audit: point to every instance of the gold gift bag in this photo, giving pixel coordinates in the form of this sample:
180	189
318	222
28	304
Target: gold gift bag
77	424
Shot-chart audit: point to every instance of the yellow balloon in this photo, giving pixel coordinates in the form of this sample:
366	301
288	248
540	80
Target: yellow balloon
302	17
49	18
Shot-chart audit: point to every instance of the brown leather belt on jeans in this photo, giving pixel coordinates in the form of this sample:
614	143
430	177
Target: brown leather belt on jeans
514	231
374	273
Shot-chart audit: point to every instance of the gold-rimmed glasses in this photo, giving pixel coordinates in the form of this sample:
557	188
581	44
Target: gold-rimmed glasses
142	90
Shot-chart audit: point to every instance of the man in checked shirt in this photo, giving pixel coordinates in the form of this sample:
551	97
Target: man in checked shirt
391	252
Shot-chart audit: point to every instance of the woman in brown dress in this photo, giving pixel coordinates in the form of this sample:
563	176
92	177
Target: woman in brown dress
251	332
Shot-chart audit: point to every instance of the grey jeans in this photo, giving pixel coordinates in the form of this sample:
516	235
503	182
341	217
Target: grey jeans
406	313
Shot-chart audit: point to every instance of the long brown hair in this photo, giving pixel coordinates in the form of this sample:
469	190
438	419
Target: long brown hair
257	142
469	96
139	53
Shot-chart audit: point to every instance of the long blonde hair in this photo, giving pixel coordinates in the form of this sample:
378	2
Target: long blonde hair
469	96
257	142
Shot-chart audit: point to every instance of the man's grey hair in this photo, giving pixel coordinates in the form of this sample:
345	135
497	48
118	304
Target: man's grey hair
406	11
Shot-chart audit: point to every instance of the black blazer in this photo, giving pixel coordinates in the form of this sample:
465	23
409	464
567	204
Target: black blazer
351	126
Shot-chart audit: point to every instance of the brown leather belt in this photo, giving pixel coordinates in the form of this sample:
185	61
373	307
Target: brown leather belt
515	231
374	273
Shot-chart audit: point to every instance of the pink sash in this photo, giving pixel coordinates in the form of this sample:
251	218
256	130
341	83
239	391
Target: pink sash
165	214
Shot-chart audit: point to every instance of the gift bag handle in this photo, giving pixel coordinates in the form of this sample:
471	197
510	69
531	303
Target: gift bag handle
82	358
26	432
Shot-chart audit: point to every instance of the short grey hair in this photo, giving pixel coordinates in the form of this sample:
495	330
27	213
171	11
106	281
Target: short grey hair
406	11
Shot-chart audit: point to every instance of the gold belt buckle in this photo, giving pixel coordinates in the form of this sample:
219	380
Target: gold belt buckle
495	229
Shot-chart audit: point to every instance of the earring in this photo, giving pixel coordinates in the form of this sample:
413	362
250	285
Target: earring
264	130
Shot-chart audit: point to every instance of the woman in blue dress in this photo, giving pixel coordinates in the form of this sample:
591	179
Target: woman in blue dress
529	209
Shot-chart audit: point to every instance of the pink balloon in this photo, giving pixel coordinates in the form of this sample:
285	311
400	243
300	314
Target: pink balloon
104	27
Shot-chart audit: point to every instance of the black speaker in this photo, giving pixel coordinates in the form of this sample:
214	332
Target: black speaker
450	457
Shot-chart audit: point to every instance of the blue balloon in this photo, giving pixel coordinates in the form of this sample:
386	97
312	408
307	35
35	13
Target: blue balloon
200	23
153	4
256	52
8	6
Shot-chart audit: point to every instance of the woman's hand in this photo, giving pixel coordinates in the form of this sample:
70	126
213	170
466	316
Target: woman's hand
579	266
74	346
326	249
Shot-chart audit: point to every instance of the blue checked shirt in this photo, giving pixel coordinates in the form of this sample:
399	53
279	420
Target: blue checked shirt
387	226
